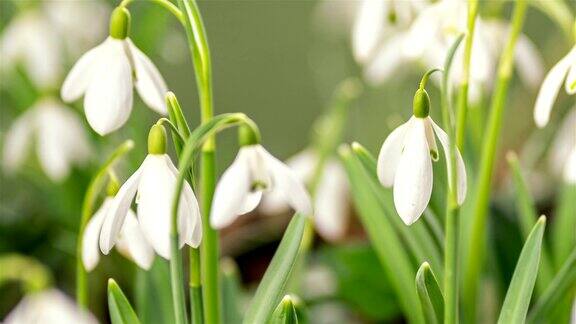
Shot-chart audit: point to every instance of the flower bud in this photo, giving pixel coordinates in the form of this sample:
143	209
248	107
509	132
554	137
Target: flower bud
157	140
247	136
120	23
421	105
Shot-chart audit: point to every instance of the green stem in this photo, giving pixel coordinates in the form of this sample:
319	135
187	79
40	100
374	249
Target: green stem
176	275
94	188
463	97
195	287
452	208
163	3
476	239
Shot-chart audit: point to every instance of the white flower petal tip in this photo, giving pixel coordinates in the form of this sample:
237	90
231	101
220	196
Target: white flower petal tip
255	171
104	75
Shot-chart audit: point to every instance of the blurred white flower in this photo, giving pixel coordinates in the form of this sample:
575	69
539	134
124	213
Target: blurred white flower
153	185
332	195
58	134
49	307
106	74
564	69
253	172
404	163
131	240
563	151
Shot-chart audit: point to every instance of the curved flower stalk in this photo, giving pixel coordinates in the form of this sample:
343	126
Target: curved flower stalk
332	195
565	69
131	240
49	306
438	26
58	134
563	152
106	74
34	37
405	161
153	185
253	173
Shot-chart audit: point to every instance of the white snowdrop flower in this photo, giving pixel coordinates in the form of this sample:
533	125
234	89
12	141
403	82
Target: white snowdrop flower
131	240
153	185
405	161
437	27
565	69
253	172
106	74
57	133
50	307
30	40
332	198
563	151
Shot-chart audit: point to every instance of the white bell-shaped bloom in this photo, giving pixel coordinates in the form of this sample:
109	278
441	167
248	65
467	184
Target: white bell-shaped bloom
58	134
563	151
253	172
49	307
405	163
106	74
153	185
565	69
331	202
131	241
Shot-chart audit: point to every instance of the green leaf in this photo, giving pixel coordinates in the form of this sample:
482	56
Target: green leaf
558	289
393	257
153	296
273	284
430	294
527	214
521	286
285	313
121	312
563	238
231	293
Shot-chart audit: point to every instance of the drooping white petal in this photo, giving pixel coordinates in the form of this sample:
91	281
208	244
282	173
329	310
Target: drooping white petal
91	236
231	192
17	141
390	154
569	172
51	148
118	211
83	72
387	59
549	89
133	244
413	180
148	82
367	29
251	201
303	165
422	31
331	203
460	167
286	182
108	98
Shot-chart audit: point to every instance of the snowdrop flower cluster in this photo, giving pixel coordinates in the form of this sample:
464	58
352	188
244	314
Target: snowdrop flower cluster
405	161
58	135
50	307
34	38
565	69
253	173
106	75
331	201
131	240
153	185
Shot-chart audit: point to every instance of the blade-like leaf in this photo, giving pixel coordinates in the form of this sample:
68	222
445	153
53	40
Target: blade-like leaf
121	312
527	214
563	238
558	289
393	257
285	312
430	294
231	293
277	275
153	295
521	286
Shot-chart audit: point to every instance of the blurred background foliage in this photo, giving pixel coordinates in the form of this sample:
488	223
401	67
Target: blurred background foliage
278	62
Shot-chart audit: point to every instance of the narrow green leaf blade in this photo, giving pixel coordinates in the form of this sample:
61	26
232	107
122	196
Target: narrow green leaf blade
563	238
429	294
558	289
231	293
521	286
121	312
286	312
278	273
